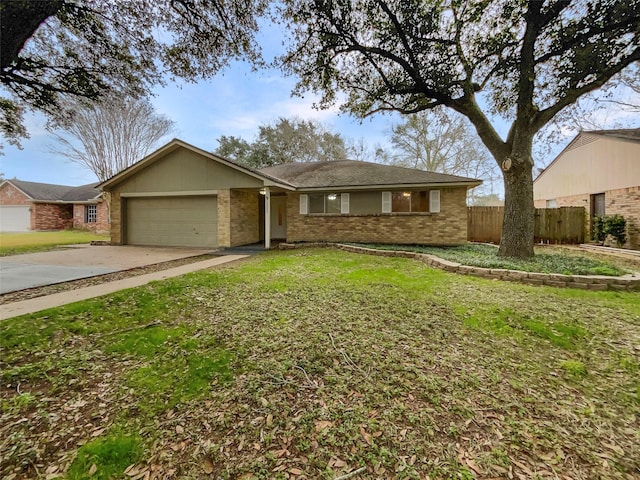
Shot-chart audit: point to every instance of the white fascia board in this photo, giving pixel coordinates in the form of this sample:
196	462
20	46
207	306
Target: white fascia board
399	186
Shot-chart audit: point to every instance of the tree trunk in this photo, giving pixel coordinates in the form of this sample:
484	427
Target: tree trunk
519	213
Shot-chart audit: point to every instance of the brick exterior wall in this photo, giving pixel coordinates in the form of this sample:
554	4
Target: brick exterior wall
116	217
10	195
244	218
626	202
101	225
623	201
448	227
51	216
224	217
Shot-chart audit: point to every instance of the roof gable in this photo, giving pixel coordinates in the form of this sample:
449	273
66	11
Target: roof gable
589	136
350	173
173	146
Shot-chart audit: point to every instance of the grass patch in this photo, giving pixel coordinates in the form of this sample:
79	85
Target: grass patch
574	368
145	342
481	255
30	242
19	403
179	378
106	458
322	362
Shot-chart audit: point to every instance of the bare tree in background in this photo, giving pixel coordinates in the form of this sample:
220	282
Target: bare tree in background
441	141
109	136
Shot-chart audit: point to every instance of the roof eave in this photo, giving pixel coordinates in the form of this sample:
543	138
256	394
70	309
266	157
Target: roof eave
390	186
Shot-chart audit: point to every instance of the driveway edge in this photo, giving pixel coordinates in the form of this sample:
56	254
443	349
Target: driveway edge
34	305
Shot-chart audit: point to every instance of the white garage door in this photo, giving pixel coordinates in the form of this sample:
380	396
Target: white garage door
172	221
14	218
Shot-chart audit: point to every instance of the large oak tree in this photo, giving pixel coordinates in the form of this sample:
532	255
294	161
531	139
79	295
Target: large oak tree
523	60
526	60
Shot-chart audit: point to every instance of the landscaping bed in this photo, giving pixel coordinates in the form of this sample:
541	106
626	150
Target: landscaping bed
546	260
317	363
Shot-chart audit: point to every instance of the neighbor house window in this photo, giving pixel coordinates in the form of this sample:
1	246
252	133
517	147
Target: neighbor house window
421	201
90	213
326	203
552	203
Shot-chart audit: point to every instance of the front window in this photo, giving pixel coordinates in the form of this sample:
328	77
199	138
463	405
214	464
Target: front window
90	213
409	201
324	203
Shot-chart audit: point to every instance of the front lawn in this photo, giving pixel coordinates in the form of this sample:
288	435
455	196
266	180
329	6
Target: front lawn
316	363
546	260
29	242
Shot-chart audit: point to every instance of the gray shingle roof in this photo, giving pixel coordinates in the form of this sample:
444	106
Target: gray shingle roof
350	173
625	133
57	193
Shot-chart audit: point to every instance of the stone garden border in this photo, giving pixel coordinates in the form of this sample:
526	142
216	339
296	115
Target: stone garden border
584	282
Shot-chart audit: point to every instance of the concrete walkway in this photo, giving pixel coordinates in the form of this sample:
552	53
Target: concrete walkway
33	305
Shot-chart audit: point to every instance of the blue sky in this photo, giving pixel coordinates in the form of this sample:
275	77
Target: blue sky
235	102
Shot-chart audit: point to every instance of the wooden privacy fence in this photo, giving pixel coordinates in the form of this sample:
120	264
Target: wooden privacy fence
553	225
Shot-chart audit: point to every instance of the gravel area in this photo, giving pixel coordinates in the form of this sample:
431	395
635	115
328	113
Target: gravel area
97	280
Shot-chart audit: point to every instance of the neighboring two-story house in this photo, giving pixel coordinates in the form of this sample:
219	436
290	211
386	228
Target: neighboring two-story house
600	171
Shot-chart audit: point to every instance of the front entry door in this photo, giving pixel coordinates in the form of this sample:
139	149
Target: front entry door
279	217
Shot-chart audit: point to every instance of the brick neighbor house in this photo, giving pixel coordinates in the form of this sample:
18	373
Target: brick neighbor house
34	206
181	195
600	171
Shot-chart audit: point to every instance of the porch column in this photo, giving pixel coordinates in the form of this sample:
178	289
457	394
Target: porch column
267	218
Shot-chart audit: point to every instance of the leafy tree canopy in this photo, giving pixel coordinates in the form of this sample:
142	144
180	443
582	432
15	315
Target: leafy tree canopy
57	48
285	141
527	60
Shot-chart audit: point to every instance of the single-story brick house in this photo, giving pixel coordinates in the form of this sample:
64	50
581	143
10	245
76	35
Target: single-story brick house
181	195
600	171
28	206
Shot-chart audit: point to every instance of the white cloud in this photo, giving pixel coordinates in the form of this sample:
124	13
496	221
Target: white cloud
246	121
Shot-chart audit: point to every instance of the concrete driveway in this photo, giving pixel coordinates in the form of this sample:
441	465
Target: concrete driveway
19	272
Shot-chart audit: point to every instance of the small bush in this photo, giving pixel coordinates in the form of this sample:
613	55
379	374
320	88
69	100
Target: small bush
599	233
616	225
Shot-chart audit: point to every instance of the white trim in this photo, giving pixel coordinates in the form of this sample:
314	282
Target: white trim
386	202
398	186
304	204
344	203
186	193
434	201
267	218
